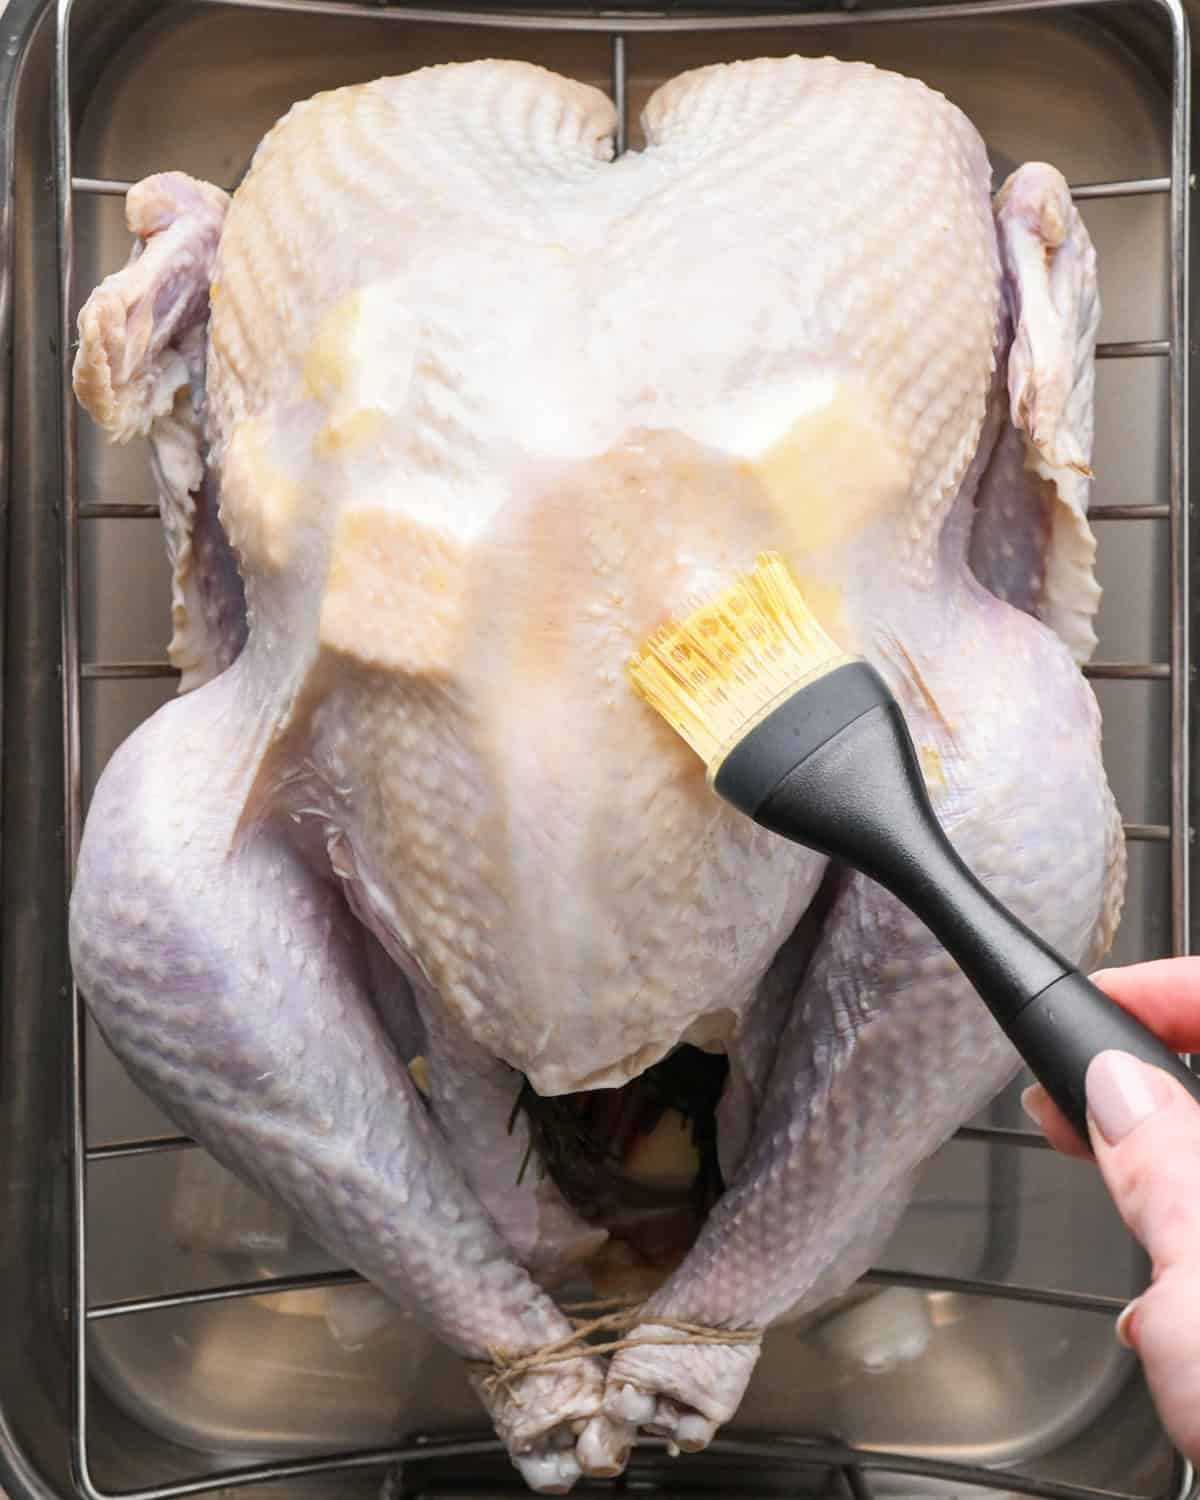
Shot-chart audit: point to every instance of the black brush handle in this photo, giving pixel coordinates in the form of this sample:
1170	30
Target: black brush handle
834	768
1059	1031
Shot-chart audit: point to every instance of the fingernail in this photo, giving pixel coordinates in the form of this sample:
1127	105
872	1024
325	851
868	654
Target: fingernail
1124	1329
1035	1101
1122	1093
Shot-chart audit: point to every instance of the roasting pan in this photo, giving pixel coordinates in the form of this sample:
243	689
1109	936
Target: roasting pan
162	1334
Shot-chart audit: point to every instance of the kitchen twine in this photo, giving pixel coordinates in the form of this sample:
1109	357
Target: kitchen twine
505	1369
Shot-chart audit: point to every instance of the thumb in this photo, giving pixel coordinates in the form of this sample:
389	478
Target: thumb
1146	1136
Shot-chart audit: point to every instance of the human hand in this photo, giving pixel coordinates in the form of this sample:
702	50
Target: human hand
1145	1135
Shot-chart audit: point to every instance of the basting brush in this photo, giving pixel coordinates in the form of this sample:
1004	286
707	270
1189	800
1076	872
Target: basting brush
810	743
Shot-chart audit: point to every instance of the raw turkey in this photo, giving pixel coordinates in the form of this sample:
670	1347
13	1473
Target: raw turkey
449	410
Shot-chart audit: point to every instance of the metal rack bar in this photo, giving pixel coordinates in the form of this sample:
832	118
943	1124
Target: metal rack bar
996	1135
72	789
1134	349
1101	671
620	90
150	1145
991	1479
1148	833
122	671
106	187
668	24
972	1287
771	1449
1132	187
851	1464
1178	460
113	671
114	510
272	1286
1133	671
1129	513
109	510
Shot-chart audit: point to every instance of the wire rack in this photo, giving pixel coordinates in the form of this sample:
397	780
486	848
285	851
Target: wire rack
849	1467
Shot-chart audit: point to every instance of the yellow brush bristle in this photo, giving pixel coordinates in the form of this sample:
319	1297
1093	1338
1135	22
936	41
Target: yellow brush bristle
717	673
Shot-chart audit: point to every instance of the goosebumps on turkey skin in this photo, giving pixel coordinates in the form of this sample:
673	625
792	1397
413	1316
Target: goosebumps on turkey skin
449	408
